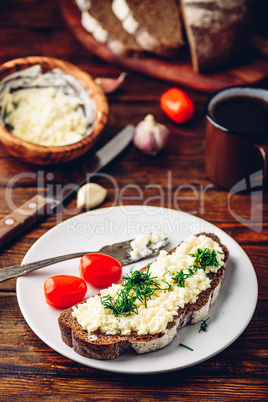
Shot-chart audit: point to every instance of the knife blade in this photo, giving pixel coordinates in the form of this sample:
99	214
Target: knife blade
40	205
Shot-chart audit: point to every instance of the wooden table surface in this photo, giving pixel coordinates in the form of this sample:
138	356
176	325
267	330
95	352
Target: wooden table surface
30	370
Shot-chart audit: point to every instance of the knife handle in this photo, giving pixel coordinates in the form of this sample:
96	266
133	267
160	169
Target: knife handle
23	217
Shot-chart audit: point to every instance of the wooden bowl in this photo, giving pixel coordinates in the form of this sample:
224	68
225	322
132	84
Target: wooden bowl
46	155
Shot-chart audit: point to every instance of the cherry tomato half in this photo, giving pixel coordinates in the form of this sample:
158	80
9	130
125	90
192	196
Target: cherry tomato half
100	270
63	291
177	105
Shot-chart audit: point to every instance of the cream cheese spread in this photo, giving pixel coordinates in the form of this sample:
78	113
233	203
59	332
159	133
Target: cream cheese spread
140	244
162	306
46	109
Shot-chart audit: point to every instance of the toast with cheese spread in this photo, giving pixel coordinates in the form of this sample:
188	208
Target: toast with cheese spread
182	294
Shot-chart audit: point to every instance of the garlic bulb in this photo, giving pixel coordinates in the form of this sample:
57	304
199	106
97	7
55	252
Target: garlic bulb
90	195
149	136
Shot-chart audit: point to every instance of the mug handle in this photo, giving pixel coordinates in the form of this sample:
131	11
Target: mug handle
264	153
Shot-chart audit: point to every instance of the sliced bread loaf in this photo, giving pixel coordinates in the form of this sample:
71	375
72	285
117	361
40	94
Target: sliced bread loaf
103	346
156	26
99	20
216	30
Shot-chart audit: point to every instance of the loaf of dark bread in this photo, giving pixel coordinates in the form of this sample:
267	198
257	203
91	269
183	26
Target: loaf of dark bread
106	347
217	30
98	19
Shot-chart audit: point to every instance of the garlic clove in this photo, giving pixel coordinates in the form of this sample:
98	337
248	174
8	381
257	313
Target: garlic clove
149	136
90	195
110	85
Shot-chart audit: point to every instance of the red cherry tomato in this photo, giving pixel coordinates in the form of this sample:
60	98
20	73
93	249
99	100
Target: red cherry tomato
177	105
63	291
100	270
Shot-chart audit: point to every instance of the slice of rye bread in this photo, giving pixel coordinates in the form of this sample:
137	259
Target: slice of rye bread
156	26
106	347
99	20
217	30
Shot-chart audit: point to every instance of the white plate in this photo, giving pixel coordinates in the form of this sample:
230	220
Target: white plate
89	231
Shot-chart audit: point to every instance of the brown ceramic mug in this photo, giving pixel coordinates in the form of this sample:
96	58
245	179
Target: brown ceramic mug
236	135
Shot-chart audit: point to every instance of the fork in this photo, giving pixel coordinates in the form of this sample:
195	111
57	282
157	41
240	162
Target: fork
119	251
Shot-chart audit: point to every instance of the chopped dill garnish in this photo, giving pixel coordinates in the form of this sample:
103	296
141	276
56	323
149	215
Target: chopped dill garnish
185	346
138	285
166	272
203	326
122	304
205	258
180	276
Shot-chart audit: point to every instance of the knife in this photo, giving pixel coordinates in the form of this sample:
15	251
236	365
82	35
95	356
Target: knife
38	206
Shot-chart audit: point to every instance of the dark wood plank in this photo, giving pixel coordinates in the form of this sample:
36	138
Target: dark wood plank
28	363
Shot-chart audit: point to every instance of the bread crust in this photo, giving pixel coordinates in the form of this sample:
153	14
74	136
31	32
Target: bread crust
216	30
107	347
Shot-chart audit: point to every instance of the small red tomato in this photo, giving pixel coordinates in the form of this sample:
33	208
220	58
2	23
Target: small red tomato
177	105
63	291
100	270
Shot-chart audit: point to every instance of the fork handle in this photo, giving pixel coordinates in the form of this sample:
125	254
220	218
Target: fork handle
17	270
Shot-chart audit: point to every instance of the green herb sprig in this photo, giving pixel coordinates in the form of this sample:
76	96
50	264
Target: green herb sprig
205	258
180	276
203	326
139	285
185	346
122	304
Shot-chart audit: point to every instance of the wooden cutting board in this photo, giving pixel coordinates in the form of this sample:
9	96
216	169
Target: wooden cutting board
249	69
